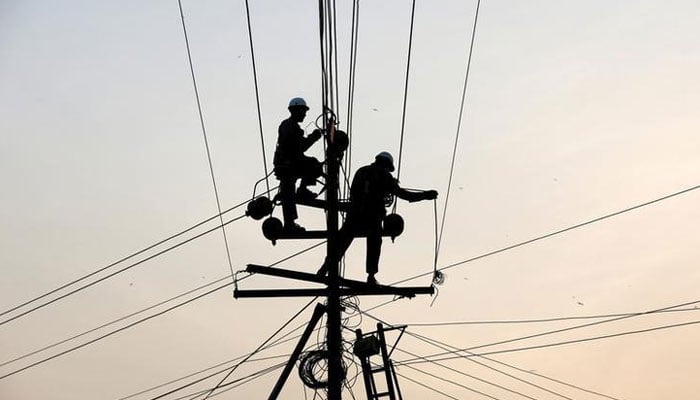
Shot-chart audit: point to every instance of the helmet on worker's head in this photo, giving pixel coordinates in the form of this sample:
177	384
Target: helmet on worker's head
385	160
298	102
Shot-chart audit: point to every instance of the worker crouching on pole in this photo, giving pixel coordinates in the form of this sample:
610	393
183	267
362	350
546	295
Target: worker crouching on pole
372	190
291	164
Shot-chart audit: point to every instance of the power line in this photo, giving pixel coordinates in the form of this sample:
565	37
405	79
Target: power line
540	320
405	90
459	126
588	339
204	134
121	260
442	346
455	383
257	94
258	349
117	272
113	332
555	233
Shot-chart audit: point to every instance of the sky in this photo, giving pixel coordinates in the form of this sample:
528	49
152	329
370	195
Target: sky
574	110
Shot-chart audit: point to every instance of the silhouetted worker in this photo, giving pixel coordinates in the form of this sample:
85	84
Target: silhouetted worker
372	190
291	163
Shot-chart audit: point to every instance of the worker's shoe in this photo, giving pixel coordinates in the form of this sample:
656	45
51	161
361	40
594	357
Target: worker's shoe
304	194
293	228
372	280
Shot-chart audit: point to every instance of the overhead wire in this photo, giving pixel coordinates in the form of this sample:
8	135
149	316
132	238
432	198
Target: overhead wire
113	332
204	134
555	344
257	94
538	320
289	321
405	92
441	378
555	331
555	233
442	346
459	126
138	321
92	283
121	260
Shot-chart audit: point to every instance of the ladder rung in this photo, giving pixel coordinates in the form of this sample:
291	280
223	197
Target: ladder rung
378	369
383	394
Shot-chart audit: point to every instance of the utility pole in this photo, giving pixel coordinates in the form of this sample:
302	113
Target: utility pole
336	286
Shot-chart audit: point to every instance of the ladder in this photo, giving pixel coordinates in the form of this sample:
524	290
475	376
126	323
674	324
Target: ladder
368	345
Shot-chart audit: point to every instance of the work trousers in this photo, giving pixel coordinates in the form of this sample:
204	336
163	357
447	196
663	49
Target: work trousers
308	169
369	225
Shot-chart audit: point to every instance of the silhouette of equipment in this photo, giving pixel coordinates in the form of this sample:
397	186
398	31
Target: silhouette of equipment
347	287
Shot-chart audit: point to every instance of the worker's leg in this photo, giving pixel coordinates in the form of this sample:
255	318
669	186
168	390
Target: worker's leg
289	207
346	234
374	248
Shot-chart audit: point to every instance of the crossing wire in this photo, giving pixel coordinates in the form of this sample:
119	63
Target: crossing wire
455	383
555	233
256	350
257	94
459	126
570	329
204	134
115	331
542	346
121	260
405	92
428	340
145	318
87	285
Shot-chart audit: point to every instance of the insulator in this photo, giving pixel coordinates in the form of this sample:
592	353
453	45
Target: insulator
272	228
393	225
340	142
259	208
439	277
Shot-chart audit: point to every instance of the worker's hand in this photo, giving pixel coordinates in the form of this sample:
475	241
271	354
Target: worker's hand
316	134
430	194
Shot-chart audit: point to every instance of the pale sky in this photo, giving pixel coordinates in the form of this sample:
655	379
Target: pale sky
575	110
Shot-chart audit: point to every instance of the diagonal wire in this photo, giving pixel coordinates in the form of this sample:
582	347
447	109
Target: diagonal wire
257	94
87	285
555	233
121	260
204	134
405	91
459	126
115	331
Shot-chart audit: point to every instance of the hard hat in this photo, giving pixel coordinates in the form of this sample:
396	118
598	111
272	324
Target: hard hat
386	158
298	102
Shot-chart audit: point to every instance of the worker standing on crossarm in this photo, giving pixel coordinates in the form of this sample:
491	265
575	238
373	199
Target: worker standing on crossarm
291	164
372	190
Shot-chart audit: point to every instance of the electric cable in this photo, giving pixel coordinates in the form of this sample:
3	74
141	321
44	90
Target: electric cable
574	341
130	256
459	126
114	332
145	318
469	376
555	331
443	347
259	347
87	285
555	233
405	93
455	383
257	94
538	320
427	386
204	134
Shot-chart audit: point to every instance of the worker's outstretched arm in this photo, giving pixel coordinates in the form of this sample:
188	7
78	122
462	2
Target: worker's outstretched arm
411	196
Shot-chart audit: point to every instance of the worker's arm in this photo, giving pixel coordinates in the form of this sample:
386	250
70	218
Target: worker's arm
308	141
412	196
